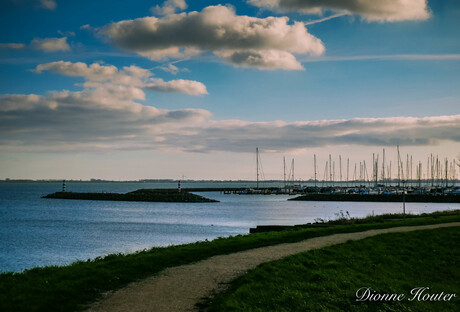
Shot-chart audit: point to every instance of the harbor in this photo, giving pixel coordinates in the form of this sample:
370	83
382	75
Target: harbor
436	183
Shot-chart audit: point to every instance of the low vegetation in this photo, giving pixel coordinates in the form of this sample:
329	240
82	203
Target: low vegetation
328	279
72	287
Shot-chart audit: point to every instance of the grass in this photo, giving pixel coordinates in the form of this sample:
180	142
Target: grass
73	287
328	279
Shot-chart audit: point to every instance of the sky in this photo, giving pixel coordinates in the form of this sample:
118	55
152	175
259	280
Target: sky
189	89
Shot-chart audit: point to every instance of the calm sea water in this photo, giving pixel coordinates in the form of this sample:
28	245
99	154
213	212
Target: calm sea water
39	232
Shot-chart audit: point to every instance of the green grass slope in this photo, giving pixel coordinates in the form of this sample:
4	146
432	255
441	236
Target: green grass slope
328	279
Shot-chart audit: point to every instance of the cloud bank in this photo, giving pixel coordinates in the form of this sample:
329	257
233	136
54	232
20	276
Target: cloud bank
242	136
370	10
265	43
106	114
97	119
111	118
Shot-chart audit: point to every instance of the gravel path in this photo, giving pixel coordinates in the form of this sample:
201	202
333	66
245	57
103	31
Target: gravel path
180	288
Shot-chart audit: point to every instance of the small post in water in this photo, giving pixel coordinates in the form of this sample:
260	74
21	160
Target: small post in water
178	186
404	203
63	185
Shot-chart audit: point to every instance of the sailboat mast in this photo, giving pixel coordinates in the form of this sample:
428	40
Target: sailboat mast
447	164
365	173
293	177
432	170
383	167
326	174
354	175
340	165
389	173
399	168
284	164
348	168
314	164
333	171
420	174
257	165
377	170
407	169
330	169
373	166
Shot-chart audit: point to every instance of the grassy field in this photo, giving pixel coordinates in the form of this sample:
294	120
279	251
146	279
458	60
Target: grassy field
72	287
328	279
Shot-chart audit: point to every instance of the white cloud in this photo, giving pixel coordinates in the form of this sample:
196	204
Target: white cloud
173	69
109	77
271	41
371	10
170	68
94	72
15	46
180	85
263	59
66	33
48	4
50	44
86	27
173	52
169	7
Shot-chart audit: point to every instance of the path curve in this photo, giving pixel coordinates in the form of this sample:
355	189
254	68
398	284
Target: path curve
180	288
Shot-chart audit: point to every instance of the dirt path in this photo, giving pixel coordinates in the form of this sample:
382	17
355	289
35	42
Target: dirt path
180	288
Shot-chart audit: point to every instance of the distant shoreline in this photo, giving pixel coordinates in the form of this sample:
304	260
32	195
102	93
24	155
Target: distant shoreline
253	182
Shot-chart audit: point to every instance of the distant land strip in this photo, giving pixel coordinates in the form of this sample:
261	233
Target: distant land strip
144	195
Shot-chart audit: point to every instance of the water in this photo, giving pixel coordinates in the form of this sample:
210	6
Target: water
38	232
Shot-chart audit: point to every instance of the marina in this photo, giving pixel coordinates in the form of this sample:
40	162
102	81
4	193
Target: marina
439	178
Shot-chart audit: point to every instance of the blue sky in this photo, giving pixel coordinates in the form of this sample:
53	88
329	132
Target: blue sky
318	89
